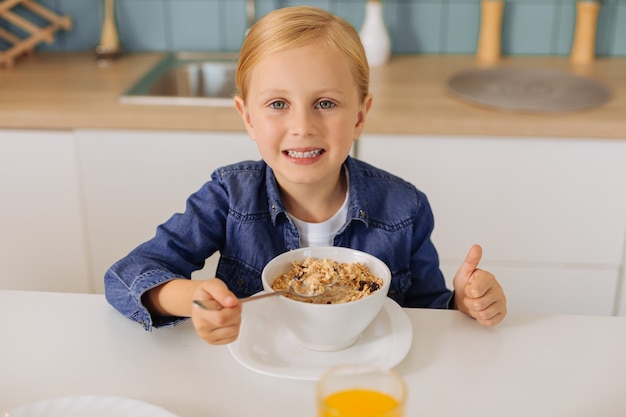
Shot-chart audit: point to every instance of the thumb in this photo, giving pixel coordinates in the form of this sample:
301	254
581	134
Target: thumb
469	265
214	292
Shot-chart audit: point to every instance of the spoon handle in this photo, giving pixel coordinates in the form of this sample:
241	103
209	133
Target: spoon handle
243	300
264	295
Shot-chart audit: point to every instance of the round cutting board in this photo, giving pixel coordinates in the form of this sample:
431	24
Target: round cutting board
534	90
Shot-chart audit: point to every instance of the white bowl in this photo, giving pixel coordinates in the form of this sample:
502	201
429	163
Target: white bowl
328	327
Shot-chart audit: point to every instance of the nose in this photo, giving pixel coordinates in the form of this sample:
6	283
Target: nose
303	122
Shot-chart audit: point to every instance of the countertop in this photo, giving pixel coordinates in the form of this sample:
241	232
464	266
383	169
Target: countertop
529	365
68	91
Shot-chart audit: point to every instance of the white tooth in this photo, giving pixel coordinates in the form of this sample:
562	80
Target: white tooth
308	154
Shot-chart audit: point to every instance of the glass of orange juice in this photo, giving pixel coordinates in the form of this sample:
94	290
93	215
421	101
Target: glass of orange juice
361	390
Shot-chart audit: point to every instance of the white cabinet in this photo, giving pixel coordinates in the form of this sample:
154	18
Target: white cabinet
41	239
549	213
135	180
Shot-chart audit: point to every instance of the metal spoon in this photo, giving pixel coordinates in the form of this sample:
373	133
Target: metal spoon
291	291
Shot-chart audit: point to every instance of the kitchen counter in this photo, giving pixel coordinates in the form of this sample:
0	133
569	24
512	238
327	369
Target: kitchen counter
68	91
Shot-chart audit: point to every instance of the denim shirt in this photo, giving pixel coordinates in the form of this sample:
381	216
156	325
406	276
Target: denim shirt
240	214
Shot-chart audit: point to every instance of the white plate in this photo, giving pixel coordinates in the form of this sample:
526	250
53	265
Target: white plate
267	347
89	406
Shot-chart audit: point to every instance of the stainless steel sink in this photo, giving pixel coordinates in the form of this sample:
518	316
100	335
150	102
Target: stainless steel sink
187	79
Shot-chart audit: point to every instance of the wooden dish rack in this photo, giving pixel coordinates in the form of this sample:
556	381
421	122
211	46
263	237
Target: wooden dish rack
36	34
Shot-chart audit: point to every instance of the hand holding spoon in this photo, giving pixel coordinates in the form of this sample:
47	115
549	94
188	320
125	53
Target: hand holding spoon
291	291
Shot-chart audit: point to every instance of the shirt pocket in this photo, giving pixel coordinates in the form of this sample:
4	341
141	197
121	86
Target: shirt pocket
400	284
242	279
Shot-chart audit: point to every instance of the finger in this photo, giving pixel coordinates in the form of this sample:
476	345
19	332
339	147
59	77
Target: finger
225	340
225	331
207	305
217	317
491	317
481	303
221	336
225	297
215	289
483	290
472	259
217	325
489	309
480	284
469	265
216	314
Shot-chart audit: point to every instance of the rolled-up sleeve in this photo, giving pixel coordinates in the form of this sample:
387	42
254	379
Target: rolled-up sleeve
179	247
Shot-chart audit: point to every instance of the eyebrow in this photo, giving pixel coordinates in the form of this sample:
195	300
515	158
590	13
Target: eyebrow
321	92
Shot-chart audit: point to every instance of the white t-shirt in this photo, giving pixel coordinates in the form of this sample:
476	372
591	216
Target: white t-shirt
322	234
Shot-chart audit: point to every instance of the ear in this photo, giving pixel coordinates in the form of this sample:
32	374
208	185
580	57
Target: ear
362	115
240	105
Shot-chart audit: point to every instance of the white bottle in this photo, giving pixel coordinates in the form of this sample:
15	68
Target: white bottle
374	36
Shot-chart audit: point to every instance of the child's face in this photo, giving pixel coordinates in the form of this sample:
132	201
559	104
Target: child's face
304	111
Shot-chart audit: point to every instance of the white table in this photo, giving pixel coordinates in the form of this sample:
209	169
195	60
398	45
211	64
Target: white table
54	345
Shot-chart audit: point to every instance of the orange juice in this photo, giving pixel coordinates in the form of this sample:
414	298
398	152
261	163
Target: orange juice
360	403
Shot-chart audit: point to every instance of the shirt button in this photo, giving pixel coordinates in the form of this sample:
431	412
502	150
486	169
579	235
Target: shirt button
392	293
240	282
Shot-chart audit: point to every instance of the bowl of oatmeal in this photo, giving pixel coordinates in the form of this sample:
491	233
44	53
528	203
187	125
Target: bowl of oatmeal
350	288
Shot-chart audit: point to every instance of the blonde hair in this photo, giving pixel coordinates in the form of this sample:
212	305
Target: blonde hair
292	27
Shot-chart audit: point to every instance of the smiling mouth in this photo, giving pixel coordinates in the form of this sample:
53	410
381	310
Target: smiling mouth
307	154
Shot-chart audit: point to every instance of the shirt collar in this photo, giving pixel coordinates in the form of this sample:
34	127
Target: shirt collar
275	204
357	205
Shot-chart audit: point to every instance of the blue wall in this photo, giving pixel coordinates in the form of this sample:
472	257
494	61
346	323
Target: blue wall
530	27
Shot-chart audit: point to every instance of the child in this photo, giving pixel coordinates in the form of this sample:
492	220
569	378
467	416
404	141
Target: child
303	96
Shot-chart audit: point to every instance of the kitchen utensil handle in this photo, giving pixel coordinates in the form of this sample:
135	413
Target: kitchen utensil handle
263	295
205	305
489	45
109	39
584	42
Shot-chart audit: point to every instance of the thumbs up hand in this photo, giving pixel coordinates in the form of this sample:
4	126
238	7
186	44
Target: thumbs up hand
477	293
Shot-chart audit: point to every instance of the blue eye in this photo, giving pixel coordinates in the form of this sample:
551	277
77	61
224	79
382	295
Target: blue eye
325	104
278	105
